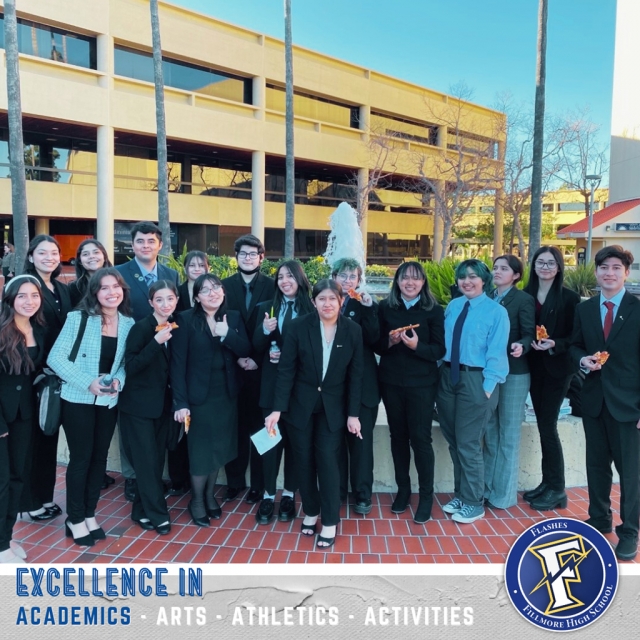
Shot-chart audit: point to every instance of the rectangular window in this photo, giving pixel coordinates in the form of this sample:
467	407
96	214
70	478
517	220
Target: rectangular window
404	129
571	206
181	75
51	43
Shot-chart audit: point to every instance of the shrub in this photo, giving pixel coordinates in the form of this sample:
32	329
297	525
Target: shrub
377	271
581	279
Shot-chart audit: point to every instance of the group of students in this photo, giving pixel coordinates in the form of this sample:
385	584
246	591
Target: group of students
201	367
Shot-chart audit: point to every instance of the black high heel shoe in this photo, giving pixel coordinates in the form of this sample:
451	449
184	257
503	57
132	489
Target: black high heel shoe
216	512
41	517
85	541
202	521
54	510
98	534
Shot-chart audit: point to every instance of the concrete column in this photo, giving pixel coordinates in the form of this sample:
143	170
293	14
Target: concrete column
42	226
258	178
259	96
105	223
365	118
363	205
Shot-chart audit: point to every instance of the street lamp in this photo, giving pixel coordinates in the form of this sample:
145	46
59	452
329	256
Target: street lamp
594	180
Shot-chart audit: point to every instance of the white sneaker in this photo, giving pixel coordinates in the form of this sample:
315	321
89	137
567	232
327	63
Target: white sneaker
453	506
468	514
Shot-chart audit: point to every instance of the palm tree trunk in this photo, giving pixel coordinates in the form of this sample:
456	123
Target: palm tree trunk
16	140
535	219
289	225
161	126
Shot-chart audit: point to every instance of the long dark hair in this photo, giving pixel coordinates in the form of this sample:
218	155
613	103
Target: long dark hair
302	303
89	303
29	267
15	355
555	292
426	297
198	312
82	275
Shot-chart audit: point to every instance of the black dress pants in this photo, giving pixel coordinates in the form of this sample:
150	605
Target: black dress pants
547	394
145	441
15	449
41	468
356	458
89	429
608	440
317	449
271	462
410	417
178	463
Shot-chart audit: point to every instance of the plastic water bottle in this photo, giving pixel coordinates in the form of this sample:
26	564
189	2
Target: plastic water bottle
107	381
274	352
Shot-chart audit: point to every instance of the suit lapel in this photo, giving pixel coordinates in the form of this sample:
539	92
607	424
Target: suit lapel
338	347
256	293
316	346
623	314
136	276
509	298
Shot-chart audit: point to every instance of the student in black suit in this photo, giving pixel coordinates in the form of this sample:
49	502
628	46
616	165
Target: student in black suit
90	256
245	290
292	300
43	262
21	349
409	380
195	264
145	405
204	381
551	370
140	273
610	322
502	436
347	272
319	389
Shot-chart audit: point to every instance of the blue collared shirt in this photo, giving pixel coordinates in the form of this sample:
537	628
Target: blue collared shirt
484	338
617	299
411	303
144	272
500	296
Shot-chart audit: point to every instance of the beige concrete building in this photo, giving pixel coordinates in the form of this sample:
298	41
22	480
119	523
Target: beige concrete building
89	123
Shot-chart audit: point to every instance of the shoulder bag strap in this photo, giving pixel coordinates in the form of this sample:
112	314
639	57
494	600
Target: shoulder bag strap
76	345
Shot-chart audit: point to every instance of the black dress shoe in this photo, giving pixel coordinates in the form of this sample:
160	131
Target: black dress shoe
253	497
163	529
84	541
401	502
144	524
214	512
287	509
98	534
534	493
54	510
627	549
107	481
130	489
363	506
177	490
202	521
41	517
264	514
599	525
232	493
549	500
423	512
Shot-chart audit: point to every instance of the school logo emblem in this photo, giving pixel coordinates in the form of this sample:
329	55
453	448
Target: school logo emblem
561	574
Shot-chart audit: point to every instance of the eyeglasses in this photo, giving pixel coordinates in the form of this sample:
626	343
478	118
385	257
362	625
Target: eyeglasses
207	291
348	277
552	264
248	254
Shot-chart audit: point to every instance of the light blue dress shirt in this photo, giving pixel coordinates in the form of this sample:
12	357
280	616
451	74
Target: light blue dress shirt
411	303
144	272
484	338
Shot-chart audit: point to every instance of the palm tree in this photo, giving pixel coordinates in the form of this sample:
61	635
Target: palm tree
161	126
289	224
535	220
16	140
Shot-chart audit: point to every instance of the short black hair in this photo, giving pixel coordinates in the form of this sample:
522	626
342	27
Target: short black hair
614	251
515	264
249	240
145	228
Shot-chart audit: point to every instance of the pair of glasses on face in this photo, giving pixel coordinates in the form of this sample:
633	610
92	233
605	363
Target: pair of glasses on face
207	291
248	254
552	264
348	277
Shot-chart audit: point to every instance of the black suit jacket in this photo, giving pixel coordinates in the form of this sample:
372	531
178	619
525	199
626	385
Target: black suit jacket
184	302
16	391
367	318
191	354
54	319
146	390
557	317
138	289
521	308
300	385
617	384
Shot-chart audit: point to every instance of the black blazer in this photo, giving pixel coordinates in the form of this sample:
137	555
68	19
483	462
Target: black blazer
400	365
146	391
138	289
617	384
184	302
16	391
300	385
557	318
191	354
521	308
367	318
54	319
264	288
75	294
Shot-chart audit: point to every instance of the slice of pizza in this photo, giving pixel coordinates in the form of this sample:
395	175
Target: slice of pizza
160	327
541	332
187	423
395	332
352	293
601	357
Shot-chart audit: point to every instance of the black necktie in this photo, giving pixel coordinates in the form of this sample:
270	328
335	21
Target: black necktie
455	344
288	315
247	295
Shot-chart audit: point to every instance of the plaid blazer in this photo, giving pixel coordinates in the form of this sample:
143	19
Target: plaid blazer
78	375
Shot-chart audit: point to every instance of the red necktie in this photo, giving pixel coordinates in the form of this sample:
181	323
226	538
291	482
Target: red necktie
608	319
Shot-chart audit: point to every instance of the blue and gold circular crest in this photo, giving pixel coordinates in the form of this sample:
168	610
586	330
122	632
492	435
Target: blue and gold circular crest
561	574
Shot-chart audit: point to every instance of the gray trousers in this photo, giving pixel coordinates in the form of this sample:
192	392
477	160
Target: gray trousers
502	442
463	411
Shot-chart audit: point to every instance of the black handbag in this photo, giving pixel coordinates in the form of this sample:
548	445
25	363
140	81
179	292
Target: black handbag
48	387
